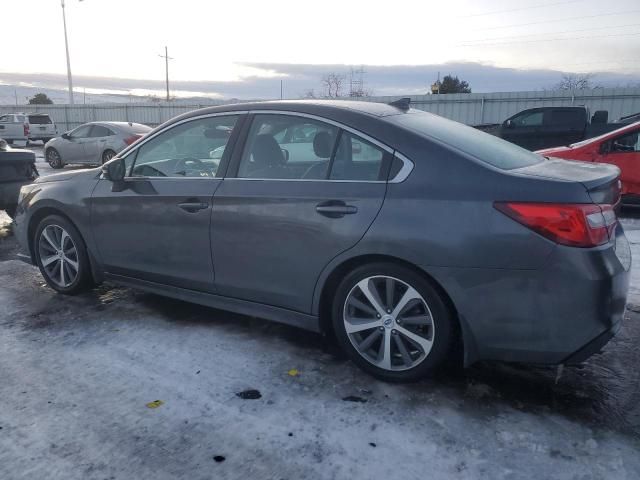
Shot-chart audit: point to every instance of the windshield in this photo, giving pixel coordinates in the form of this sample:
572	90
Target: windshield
482	146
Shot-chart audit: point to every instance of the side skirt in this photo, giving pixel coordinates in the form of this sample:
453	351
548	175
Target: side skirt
243	307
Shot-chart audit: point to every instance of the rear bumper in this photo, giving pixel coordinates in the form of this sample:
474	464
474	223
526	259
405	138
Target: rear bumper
562	313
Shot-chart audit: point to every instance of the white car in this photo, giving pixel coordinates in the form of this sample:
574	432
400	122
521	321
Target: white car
41	127
14	127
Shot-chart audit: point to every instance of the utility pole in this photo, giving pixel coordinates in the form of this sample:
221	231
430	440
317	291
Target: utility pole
281	91
166	68
15	94
66	47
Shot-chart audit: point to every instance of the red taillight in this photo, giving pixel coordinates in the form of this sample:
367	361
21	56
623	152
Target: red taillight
130	140
576	225
26	129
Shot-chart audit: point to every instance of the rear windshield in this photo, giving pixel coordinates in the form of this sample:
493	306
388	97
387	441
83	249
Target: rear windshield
39	119
482	146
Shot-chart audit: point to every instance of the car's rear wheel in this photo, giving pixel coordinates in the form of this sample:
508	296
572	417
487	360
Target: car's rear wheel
54	159
108	155
61	255
392	322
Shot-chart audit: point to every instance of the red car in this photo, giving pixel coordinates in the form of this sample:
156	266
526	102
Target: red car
620	148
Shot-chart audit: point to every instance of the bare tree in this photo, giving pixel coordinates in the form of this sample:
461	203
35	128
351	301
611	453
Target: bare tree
311	93
582	81
332	84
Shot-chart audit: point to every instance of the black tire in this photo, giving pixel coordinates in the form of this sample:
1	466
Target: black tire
442	325
107	155
83	279
53	158
11	210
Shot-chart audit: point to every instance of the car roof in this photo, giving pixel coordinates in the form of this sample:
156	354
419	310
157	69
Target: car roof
319	107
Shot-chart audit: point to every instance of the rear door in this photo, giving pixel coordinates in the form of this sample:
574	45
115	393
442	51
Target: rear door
563	126
95	144
157	228
300	191
624	152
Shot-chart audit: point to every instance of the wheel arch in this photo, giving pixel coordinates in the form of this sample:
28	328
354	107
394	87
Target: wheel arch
464	342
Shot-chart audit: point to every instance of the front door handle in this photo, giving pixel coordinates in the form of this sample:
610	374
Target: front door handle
193	207
335	209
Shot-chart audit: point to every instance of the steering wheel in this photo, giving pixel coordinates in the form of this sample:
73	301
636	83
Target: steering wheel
181	166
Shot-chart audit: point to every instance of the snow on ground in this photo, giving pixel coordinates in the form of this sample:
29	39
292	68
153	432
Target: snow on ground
76	374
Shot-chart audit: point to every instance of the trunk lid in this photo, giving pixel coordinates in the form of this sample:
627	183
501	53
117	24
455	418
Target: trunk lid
602	181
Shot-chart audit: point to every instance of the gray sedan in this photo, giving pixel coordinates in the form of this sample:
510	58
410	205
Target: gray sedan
93	143
403	235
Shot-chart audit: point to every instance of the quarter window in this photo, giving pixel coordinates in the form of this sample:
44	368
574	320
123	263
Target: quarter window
287	147
191	149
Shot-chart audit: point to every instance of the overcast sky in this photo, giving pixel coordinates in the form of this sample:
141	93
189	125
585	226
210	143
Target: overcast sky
243	48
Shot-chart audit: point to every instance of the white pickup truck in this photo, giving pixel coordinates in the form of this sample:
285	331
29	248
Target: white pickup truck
14	127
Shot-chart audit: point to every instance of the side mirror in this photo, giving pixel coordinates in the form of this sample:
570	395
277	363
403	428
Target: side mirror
66	136
508	124
114	170
604	148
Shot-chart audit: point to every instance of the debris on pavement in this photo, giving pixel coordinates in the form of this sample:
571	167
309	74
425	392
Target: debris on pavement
293	372
250	394
154	404
354	398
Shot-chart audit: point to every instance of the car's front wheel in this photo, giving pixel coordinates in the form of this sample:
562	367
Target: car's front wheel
61	255
108	155
392	322
54	159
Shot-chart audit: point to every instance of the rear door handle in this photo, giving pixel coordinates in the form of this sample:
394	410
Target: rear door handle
193	207
335	209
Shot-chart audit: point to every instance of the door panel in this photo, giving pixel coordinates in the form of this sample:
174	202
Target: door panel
146	231
270	242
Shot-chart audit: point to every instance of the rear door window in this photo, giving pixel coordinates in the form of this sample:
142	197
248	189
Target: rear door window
100	131
566	118
287	147
356	159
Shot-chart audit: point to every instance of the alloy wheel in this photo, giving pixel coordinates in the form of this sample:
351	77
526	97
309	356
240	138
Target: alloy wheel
53	158
389	323
58	255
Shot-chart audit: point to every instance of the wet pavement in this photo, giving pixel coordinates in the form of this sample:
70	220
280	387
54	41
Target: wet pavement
77	372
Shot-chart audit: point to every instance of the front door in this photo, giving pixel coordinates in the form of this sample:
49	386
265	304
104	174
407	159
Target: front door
72	150
158	227
525	129
299	193
624	152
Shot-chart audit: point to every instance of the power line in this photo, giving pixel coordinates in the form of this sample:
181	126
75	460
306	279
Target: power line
519	9
549	33
566	19
549	39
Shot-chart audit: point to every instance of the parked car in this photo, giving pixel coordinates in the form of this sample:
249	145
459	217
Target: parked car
41	127
17	168
14	127
545	127
92	143
620	148
426	235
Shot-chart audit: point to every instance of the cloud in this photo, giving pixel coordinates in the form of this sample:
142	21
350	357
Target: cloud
298	78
